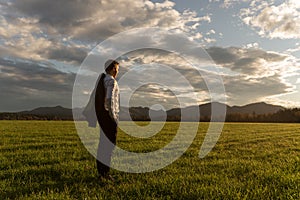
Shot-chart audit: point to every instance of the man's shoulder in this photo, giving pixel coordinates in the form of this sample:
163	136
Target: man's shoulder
108	77
109	80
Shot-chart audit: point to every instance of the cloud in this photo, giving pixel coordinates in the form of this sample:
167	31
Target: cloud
250	74
62	14
150	94
66	30
241	90
31	83
274	21
252	62
255	74
159	59
251	45
25	85
70	53
168	69
36	33
24	38
278	100
95	20
294	49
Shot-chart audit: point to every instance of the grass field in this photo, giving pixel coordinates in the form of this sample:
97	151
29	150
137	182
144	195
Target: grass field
46	160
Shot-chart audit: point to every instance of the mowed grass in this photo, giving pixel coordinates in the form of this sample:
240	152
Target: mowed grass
46	160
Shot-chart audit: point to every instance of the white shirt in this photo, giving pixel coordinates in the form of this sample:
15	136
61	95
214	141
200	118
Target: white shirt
112	95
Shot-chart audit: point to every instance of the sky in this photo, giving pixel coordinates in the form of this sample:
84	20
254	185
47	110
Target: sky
254	43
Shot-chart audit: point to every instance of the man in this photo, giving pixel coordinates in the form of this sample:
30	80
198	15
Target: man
107	112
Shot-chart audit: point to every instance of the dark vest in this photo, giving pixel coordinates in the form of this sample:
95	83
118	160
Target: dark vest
100	96
96	103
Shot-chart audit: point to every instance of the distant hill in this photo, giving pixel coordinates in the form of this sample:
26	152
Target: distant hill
205	109
142	113
255	108
50	111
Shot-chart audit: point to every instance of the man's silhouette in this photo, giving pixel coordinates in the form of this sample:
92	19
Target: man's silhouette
107	112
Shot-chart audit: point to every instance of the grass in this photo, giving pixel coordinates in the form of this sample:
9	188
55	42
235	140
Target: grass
46	160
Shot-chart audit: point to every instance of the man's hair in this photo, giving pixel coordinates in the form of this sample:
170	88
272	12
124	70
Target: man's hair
109	65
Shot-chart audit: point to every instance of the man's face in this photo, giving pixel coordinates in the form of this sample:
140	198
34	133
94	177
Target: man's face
115	71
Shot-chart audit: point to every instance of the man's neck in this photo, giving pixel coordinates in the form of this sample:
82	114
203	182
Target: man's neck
110	75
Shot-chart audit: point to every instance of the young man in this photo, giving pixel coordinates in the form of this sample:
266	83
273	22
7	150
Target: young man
107	112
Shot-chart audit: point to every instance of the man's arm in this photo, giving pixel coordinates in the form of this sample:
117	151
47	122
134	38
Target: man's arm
110	99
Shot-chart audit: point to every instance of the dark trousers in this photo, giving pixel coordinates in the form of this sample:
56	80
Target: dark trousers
106	144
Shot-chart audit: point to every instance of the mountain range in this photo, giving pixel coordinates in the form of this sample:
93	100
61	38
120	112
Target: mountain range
142	113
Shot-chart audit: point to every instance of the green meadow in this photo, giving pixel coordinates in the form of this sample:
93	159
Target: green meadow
46	160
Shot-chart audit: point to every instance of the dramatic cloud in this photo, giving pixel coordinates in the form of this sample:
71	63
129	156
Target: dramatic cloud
24	38
251	62
43	43
256	75
151	94
171	79
70	53
95	20
35	32
25	84
66	30
274	21
242	90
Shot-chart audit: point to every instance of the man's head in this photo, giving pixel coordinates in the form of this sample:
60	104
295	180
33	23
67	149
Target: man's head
112	67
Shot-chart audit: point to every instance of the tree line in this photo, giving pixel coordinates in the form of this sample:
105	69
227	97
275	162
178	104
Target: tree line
19	116
282	116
